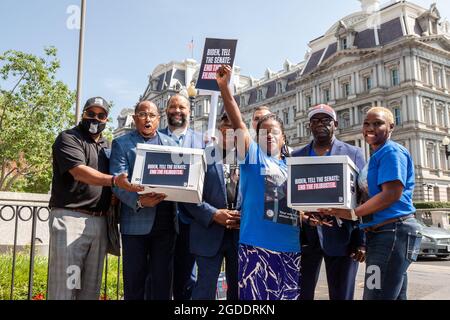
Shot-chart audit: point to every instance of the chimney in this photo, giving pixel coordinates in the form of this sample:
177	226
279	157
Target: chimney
370	6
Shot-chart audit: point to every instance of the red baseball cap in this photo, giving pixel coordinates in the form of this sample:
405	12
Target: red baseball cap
322	108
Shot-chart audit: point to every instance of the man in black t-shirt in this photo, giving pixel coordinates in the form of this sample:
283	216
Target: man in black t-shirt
79	202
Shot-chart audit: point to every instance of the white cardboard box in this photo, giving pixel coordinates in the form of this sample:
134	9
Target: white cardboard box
177	172
322	182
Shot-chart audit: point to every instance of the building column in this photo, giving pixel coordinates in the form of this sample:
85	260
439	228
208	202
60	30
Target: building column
408	70
446	116
418	110
381	75
357	83
356	115
401	70
431	75
351	116
404	109
444	79
336	89
437	151
375	77
434	113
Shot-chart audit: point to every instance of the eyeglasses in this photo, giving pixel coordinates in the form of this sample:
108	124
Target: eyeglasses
92	115
144	115
324	121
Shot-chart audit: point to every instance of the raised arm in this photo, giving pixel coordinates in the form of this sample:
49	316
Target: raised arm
223	77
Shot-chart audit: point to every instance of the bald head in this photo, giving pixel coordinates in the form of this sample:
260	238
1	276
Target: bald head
146	118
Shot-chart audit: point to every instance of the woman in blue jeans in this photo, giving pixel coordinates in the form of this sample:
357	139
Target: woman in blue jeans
393	238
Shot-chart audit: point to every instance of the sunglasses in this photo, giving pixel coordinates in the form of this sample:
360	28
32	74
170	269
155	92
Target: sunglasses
92	115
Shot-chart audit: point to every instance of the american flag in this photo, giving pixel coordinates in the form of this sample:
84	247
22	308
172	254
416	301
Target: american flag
191	47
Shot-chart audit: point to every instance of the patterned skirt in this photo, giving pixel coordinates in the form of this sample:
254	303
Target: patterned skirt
268	275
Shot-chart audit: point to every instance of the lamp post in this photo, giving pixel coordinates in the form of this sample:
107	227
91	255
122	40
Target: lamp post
80	62
429	187
445	143
192	93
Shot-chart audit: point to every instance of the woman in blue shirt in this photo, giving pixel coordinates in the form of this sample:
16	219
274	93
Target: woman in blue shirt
269	244
393	238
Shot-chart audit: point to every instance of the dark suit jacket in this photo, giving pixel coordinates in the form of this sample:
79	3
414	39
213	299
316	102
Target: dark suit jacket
205	235
123	155
192	139
337	241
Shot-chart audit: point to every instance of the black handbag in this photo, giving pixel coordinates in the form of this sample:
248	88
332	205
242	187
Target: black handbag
113	230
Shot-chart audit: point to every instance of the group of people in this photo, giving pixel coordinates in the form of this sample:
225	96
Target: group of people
164	242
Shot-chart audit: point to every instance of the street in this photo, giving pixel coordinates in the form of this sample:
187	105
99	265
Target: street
428	279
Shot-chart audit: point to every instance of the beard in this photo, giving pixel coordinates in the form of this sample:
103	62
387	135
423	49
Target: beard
177	123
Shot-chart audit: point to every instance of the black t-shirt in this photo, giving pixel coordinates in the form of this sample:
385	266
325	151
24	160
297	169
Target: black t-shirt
72	148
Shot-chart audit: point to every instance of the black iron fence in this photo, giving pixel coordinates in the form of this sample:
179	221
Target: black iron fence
15	216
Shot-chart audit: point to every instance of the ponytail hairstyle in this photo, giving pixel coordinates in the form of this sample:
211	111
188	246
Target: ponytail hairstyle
272	116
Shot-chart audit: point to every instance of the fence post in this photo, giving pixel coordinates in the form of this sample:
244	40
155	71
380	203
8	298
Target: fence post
32	254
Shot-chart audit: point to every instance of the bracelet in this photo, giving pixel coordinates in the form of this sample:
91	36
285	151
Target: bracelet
353	214
113	181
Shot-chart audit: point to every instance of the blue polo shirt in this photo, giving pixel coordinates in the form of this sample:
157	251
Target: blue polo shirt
390	162
255	230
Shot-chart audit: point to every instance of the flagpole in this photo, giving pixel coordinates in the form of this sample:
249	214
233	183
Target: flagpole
80	62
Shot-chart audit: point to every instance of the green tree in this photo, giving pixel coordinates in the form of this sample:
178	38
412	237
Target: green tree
34	108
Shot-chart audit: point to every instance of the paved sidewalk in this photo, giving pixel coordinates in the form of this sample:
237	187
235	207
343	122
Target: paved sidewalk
425	282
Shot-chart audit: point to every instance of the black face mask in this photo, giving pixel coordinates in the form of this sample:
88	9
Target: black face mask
92	126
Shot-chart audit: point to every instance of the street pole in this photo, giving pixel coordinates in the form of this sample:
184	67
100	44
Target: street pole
80	62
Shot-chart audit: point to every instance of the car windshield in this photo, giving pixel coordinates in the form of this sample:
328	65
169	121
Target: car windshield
422	223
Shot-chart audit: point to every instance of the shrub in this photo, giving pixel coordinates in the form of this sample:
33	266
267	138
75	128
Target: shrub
432	205
40	278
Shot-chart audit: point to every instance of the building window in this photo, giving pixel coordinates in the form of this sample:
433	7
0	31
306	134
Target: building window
326	95
308	101
397	116
343	43
437	194
440	117
437	78
259	95
344	119
448	81
394	77
367	83
424	73
346	89
307	129
286	116
279	87
427	114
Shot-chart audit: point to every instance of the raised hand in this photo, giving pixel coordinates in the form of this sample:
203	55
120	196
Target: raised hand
223	76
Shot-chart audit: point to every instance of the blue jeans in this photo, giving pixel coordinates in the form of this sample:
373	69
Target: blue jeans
390	250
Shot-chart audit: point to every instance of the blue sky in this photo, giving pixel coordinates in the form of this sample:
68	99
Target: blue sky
126	40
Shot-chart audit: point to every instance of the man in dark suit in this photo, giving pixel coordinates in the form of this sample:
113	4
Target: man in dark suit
148	224
341	244
214	233
178	112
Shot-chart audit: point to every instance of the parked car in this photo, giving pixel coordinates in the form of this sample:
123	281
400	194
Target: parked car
435	241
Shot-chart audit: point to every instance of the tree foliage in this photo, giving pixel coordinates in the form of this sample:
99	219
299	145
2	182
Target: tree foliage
34	108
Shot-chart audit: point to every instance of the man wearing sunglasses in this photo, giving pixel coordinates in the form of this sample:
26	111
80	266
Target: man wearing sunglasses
147	223
80	199
340	245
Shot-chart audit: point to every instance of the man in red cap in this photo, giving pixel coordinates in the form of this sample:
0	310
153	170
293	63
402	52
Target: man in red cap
341	245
